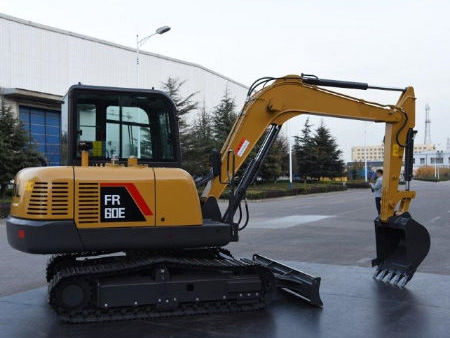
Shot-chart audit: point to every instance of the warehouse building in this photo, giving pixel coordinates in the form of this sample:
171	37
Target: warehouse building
39	64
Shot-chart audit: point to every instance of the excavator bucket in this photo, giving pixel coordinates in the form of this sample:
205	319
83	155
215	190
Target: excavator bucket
295	282
402	244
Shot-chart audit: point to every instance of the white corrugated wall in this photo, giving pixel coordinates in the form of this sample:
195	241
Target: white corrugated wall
49	60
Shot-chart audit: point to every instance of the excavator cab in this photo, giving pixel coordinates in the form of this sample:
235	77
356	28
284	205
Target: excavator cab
120	123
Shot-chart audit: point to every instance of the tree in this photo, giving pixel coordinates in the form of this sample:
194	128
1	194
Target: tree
16	151
223	118
355	170
327	155
276	163
202	141
185	105
304	152
284	155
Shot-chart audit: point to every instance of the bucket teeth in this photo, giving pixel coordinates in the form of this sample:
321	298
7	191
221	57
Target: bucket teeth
377	272
382	275
402	282
394	281
391	277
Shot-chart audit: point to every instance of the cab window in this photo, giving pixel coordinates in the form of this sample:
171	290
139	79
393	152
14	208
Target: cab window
87	121
125	125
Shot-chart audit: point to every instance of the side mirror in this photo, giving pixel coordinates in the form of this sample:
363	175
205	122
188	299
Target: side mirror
216	163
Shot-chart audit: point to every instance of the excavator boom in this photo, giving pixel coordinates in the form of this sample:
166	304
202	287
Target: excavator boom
289	96
293	95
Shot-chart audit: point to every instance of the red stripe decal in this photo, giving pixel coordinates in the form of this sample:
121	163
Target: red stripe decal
239	145
134	193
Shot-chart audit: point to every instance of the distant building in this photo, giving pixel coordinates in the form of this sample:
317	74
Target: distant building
439	158
376	153
39	63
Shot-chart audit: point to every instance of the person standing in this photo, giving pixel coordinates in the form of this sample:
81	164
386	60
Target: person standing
377	188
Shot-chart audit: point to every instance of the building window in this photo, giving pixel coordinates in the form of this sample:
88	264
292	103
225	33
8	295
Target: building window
422	160
44	128
437	160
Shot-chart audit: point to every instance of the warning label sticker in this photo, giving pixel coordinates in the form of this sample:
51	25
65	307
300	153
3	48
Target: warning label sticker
242	147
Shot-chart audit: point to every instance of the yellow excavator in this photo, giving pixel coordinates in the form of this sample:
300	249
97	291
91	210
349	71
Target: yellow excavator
129	234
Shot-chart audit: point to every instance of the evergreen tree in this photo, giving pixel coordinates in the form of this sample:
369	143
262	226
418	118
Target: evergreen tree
284	156
16	152
185	105
276	163
223	118
202	144
327	155
304	152
355	170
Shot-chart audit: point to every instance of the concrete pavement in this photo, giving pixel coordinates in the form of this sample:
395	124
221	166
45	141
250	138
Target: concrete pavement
337	228
332	228
354	306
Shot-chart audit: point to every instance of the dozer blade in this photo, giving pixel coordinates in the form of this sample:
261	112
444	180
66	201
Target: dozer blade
295	282
402	244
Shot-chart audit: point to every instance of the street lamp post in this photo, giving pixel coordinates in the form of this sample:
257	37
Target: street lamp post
139	43
290	155
365	151
436	168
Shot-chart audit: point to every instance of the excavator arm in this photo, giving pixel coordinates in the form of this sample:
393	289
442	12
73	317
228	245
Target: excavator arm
290	96
402	243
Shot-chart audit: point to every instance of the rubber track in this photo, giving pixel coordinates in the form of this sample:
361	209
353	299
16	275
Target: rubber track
127	266
55	260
